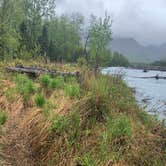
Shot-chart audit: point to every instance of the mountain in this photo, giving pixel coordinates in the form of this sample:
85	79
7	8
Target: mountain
136	52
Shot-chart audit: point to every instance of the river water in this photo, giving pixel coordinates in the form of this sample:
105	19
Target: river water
150	93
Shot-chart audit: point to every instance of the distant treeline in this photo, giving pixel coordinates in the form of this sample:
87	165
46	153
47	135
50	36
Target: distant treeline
161	63
30	29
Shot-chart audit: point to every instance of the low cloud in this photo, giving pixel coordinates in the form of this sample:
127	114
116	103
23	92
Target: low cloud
143	20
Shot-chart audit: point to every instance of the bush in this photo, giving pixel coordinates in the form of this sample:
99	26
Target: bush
40	100
72	90
45	81
24	86
3	118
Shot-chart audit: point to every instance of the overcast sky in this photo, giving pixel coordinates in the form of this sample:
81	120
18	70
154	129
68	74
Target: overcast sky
144	20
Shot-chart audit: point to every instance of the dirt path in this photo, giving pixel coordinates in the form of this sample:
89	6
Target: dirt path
14	152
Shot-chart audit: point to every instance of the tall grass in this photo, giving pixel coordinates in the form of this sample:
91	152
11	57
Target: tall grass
40	100
24	86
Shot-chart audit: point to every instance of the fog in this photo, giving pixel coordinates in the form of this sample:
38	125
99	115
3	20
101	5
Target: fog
143	20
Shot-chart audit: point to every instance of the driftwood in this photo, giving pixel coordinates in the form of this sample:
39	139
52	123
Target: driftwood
34	71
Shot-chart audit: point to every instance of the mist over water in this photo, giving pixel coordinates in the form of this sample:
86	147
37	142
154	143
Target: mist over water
150	93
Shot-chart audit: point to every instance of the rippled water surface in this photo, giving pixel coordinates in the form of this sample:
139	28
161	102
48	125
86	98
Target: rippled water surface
150	93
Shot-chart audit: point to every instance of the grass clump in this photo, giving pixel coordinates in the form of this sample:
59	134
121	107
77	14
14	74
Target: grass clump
24	86
3	118
119	127
39	100
56	83
45	81
59	124
72	90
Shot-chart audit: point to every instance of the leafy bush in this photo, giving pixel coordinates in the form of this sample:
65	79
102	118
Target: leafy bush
25	86
3	118
59	124
40	100
45	81
119	127
72	90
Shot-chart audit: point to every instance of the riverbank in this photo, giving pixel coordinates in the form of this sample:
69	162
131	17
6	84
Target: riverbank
64	121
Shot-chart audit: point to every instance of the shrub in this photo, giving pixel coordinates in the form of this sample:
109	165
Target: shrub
3	118
72	90
40	100
45	81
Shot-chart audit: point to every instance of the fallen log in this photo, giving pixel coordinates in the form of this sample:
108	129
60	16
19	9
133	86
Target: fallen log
34	71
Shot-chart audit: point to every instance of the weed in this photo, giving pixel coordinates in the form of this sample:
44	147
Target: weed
40	100
3	118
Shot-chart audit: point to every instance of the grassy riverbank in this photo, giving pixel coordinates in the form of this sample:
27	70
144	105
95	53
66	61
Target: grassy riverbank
93	121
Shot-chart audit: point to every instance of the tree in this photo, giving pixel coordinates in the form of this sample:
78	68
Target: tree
44	40
99	38
10	18
119	60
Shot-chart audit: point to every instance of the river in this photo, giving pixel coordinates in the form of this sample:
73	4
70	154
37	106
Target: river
150	93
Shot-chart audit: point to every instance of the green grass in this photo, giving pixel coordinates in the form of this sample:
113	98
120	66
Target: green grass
72	90
119	127
56	83
3	118
59	124
45	81
24	86
39	100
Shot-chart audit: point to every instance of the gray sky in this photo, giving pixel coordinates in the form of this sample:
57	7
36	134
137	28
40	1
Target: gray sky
144	20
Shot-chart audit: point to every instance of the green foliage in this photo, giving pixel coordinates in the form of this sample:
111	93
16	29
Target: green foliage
3	118
72	90
118	60
40	100
99	38
45	81
119	127
81	61
59	124
24	86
